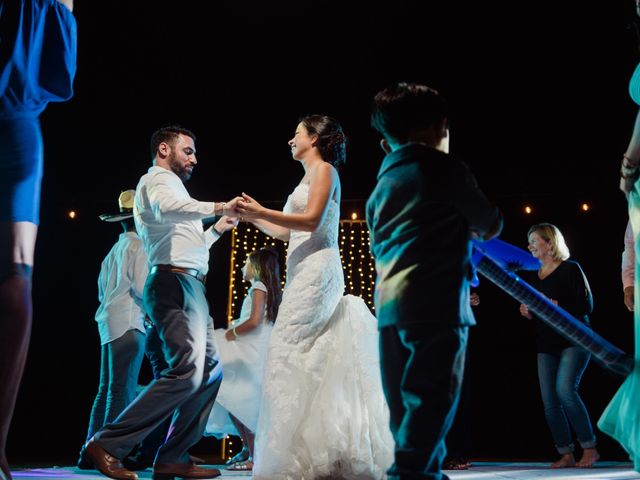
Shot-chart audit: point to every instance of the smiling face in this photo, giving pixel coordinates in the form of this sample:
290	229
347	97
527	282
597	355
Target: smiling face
301	143
538	246
181	157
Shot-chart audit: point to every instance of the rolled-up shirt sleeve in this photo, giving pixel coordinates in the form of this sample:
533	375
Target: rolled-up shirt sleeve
169	201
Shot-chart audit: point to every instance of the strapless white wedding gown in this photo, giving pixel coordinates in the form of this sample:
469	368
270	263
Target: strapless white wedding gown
323	412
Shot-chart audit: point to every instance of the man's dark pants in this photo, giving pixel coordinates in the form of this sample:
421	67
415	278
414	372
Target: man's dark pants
178	309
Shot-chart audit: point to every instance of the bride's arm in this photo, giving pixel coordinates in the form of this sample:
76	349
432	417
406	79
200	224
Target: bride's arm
273	230
323	182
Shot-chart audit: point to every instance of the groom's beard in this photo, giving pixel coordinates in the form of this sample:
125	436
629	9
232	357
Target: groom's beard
184	172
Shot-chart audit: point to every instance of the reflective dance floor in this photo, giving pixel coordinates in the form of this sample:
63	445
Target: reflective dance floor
479	471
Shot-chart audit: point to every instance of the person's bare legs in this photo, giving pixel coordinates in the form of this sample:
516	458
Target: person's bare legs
589	457
247	441
565	461
17	245
17	242
67	3
249	438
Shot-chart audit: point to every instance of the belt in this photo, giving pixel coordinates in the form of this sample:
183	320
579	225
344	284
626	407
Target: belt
173	269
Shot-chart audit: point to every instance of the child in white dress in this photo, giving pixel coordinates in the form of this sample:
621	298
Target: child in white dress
242	349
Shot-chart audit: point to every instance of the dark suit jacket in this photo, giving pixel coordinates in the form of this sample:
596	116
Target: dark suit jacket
420	216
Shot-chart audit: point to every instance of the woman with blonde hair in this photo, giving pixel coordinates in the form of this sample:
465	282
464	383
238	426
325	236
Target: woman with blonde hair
560	363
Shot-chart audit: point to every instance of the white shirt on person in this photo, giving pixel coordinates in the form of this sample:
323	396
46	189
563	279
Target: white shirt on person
169	221
120	284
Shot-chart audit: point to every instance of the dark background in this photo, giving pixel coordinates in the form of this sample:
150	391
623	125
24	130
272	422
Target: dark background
540	111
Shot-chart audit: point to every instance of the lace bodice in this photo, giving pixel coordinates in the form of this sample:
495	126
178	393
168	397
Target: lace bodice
325	236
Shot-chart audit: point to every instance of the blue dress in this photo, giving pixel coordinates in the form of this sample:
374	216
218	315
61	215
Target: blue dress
37	66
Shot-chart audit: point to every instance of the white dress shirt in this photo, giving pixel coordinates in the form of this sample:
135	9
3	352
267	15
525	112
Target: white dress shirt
120	284
169	222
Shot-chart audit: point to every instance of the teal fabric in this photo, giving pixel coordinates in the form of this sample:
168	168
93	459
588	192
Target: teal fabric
621	418
634	85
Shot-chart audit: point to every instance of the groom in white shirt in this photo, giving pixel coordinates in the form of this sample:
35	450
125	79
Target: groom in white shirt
169	223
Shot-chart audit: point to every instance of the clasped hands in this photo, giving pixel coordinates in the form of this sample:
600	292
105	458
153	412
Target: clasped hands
239	209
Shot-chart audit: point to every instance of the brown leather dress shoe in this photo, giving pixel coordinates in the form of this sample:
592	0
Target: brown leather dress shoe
169	471
107	464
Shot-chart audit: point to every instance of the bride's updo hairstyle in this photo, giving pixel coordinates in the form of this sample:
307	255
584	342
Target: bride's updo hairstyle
332	142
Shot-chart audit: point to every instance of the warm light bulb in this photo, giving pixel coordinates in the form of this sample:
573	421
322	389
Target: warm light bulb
585	207
354	216
528	210
72	214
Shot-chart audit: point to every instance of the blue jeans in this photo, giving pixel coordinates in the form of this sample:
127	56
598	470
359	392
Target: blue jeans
120	364
559	376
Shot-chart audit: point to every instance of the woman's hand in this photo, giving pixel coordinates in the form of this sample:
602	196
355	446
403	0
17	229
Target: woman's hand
524	311
230	335
249	208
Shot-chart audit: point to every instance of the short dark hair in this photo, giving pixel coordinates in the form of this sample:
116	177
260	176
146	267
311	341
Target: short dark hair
406	106
332	142
169	135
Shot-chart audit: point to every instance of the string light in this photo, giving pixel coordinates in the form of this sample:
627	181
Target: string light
353	242
585	207
72	214
228	450
528	209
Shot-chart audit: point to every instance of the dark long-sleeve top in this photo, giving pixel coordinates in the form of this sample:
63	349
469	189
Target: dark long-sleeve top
38	43
421	216
568	285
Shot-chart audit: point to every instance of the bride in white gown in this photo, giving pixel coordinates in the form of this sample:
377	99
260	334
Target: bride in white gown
323	412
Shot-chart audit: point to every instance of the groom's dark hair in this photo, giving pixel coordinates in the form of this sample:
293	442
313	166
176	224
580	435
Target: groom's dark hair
169	135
